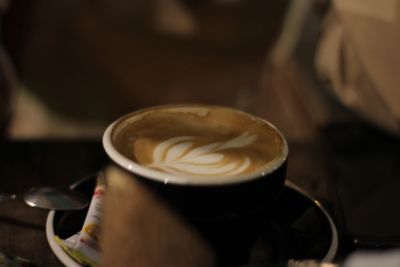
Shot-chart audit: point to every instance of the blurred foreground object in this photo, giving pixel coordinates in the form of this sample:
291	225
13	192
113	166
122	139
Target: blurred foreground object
389	258
139	230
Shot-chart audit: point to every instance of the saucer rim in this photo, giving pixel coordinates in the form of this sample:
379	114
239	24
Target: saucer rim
68	261
331	252
55	247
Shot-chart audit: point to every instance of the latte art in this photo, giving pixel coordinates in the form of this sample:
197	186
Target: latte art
180	155
195	144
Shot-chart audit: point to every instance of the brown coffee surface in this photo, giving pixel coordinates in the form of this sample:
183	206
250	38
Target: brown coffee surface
198	141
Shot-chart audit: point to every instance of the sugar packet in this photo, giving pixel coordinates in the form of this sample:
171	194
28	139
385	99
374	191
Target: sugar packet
84	246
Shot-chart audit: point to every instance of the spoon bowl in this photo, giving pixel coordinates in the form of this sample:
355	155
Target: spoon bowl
50	198
53	198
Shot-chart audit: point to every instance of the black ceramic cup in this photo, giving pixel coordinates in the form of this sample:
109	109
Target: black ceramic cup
219	168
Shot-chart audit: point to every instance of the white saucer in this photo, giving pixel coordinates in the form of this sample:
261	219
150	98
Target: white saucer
327	255
55	247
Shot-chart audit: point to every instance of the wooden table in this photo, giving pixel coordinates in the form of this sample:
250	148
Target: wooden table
340	168
28	163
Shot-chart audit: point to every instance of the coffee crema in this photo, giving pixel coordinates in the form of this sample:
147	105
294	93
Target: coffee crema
199	141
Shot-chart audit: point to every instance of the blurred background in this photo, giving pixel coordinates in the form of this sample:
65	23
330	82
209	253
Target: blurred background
71	67
325	72
81	64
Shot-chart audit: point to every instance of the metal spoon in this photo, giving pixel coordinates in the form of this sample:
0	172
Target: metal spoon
51	198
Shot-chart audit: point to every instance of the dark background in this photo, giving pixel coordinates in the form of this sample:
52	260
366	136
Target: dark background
92	61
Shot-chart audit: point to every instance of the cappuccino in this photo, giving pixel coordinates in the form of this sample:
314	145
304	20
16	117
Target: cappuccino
219	168
199	144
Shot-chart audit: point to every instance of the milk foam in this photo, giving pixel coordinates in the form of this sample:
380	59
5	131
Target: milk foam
180	155
196	144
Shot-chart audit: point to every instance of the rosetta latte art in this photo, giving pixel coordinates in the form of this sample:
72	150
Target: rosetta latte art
179	155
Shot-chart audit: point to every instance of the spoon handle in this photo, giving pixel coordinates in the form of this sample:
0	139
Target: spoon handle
7	197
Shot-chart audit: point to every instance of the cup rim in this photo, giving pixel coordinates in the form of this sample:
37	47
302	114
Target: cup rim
180	179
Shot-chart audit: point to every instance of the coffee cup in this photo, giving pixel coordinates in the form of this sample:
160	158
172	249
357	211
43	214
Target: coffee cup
219	168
